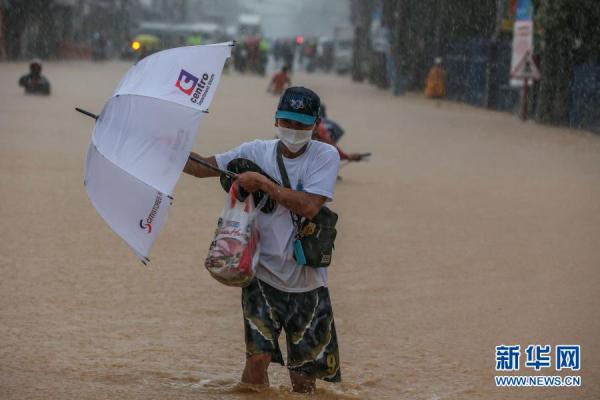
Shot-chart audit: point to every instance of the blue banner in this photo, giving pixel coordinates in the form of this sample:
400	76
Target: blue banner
524	10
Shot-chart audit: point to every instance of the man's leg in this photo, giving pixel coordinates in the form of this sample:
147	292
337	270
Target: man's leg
302	383
311	340
255	371
261	331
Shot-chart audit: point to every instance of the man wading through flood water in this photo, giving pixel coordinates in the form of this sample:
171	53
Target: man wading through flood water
284	294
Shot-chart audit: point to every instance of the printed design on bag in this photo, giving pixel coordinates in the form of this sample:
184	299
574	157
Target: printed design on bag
195	87
309	229
147	223
234	252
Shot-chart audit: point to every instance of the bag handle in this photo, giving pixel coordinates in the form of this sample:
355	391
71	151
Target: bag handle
233	193
261	203
233	196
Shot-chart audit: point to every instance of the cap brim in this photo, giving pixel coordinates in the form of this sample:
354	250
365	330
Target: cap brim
302	118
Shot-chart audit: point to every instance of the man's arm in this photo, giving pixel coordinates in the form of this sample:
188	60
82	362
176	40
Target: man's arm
306	204
198	170
323	135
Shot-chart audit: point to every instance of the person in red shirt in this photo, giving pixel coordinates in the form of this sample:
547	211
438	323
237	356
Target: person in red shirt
279	82
323	134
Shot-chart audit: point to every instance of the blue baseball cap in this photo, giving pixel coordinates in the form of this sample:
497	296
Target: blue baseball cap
299	104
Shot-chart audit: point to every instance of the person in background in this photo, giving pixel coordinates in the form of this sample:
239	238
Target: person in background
279	82
287	54
330	132
263	56
310	54
34	82
99	47
144	52
435	86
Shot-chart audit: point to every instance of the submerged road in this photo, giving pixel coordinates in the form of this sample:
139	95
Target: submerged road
467	229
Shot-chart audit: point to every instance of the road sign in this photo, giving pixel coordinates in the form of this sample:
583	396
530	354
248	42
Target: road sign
526	69
522	44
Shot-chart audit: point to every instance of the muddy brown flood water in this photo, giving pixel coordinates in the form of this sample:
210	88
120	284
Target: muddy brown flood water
468	229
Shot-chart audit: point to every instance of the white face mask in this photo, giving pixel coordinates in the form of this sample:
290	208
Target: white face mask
294	139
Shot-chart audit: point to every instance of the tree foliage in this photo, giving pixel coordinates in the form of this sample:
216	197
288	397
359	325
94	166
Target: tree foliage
570	35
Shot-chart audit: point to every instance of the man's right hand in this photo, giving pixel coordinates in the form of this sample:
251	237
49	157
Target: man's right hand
198	170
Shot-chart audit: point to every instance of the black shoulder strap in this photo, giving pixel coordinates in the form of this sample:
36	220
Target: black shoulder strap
285	179
296	219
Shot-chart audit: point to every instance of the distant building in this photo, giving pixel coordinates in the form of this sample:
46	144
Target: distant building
63	28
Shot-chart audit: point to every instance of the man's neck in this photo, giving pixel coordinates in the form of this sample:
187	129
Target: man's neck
288	154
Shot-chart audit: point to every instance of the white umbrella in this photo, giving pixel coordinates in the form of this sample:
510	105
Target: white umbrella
143	137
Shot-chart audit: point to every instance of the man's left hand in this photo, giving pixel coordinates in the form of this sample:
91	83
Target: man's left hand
251	181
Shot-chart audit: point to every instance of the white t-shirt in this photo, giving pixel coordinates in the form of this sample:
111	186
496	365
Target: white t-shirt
316	171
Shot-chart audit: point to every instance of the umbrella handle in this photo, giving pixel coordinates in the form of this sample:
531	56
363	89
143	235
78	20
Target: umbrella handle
210	166
84	112
193	158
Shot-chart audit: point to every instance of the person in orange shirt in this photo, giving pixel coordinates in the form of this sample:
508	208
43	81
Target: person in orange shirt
279	82
435	86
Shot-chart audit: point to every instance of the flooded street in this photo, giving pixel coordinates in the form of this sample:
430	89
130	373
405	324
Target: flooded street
466	230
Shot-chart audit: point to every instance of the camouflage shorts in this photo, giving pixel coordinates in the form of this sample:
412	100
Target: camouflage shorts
307	319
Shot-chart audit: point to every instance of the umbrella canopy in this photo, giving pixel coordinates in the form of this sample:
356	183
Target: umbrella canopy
143	137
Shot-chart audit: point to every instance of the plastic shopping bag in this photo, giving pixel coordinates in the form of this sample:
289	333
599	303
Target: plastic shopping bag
233	254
